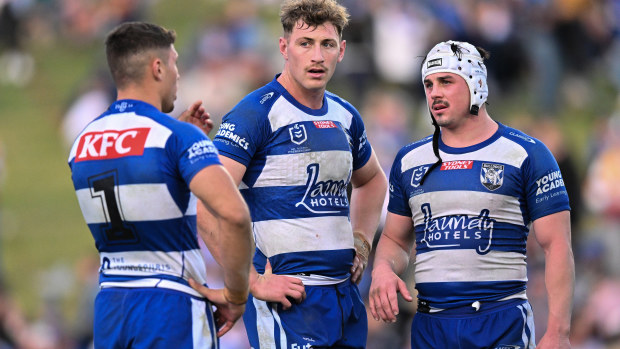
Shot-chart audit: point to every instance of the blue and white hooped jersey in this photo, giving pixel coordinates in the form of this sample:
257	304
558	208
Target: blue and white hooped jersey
299	162
471	217
131	168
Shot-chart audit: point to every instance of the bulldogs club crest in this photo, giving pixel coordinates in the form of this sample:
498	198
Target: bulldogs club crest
298	134
492	176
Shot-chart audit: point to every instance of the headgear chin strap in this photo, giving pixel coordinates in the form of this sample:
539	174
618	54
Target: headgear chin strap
463	59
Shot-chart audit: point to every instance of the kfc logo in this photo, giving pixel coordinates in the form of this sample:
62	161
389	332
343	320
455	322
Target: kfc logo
111	144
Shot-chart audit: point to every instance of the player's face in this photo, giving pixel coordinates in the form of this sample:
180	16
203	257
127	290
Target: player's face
311	55
171	81
447	95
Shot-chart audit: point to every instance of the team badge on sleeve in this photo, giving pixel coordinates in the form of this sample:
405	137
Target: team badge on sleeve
492	176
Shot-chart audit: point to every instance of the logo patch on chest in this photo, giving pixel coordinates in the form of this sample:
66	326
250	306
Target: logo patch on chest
324	124
298	134
492	176
457	165
417	174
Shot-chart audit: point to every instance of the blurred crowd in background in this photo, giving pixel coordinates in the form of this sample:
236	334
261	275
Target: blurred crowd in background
550	56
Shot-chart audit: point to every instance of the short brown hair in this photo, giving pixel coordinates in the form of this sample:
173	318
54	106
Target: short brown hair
313	13
127	44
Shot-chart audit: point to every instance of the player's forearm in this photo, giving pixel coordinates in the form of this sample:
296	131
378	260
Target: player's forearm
560	281
236	245
390	255
366	204
208	229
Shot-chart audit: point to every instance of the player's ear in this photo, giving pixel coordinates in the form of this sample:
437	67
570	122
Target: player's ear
156	68
343	46
283	43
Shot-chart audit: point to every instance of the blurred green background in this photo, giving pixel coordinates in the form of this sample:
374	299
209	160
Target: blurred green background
43	237
42	226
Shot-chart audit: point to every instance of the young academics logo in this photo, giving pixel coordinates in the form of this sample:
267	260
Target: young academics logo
298	134
492	176
227	130
202	148
549	182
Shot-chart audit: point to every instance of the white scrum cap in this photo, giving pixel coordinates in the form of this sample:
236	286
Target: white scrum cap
463	59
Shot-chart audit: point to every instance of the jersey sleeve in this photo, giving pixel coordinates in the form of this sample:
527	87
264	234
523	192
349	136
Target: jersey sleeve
361	147
194	151
240	135
545	190
398	202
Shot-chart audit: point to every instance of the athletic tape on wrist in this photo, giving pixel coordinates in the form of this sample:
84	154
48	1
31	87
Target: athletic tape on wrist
362	246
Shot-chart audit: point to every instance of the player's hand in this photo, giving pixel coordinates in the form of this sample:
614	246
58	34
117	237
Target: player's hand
226	314
383	297
283	289
196	115
362	252
357	270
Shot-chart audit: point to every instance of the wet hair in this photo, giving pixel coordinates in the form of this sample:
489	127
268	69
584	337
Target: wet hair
130	45
313	13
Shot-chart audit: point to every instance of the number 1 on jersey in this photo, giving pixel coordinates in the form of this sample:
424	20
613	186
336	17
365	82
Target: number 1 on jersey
103	186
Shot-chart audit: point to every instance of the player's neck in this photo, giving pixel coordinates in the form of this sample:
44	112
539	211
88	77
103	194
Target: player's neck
147	95
312	99
476	130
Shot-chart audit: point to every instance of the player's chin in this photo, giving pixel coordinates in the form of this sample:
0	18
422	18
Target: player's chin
167	105
167	108
316	84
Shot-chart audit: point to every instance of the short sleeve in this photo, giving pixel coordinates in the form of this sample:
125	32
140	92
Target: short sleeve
241	134
361	147
398	202
194	151
545	189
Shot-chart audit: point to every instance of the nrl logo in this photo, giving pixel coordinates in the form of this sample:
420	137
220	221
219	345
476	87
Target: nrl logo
492	176
417	174
298	134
